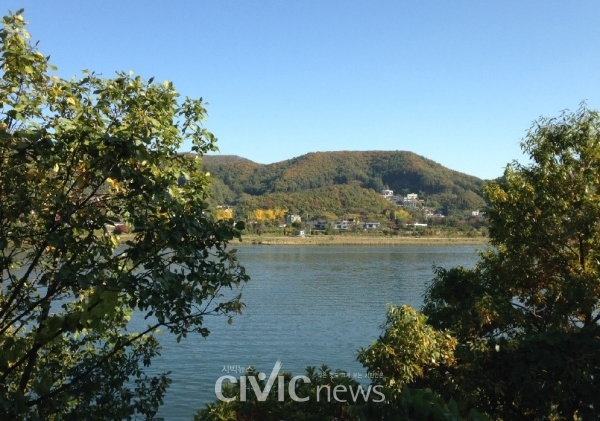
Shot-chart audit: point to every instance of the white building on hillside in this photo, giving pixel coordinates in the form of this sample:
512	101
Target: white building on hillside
388	194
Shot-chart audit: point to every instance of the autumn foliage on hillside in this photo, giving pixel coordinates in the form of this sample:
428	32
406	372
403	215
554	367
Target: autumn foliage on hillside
340	182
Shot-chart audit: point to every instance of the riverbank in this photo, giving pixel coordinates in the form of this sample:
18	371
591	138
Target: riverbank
341	240
348	240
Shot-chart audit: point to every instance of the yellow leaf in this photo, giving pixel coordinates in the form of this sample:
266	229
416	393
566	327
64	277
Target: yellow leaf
113	183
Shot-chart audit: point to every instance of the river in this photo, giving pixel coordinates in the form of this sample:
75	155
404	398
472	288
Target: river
306	306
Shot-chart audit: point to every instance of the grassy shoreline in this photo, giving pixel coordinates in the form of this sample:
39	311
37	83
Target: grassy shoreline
348	240
343	240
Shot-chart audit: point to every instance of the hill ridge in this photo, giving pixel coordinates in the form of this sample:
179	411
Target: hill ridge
235	178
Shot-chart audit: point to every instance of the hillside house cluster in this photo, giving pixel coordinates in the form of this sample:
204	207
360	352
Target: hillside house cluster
411	200
346	225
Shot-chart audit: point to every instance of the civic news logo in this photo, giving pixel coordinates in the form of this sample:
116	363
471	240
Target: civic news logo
339	393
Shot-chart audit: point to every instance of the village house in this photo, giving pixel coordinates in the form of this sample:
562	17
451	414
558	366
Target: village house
411	200
291	218
345	224
319	225
370	226
388	194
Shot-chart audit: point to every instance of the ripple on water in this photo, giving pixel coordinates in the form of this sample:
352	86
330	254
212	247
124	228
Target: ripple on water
306	305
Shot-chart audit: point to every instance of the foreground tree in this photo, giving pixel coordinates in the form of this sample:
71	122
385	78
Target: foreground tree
75	158
526	317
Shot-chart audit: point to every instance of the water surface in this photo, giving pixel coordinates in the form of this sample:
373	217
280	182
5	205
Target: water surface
306	306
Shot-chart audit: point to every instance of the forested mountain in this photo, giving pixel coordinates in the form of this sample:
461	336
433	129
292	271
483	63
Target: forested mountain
322	179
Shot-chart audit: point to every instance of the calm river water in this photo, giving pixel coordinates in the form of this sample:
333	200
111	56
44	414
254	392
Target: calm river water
306	305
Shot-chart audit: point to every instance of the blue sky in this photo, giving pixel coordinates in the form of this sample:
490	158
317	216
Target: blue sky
458	82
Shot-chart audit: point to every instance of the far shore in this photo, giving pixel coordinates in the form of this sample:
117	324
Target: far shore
348	240
343	240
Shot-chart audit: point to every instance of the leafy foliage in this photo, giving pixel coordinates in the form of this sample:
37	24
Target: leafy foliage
338	200
526	317
407	349
76	156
